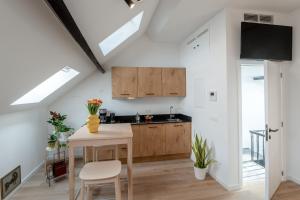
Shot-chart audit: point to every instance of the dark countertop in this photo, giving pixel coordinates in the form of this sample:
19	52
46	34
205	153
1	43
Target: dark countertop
157	119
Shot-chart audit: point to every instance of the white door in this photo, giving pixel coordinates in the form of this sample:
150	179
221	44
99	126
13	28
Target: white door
273	91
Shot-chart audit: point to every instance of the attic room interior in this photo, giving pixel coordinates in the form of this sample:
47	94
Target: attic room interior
149	99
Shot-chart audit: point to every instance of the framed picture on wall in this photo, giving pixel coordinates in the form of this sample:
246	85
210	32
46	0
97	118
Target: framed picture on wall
10	182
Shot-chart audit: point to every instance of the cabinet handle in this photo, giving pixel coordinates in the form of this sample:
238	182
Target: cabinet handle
125	94
150	94
173	93
178	125
152	126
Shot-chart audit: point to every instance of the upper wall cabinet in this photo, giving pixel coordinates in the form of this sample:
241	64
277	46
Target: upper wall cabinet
130	82
174	81
124	82
149	81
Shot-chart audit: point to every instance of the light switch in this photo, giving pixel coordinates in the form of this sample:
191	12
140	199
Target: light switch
213	95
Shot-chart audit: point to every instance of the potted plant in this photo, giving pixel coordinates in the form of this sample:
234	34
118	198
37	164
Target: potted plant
52	141
202	157
93	121
61	131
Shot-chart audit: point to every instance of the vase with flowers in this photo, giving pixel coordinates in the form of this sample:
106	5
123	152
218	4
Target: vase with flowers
93	121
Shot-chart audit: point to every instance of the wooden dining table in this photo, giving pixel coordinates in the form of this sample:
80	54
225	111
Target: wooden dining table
108	134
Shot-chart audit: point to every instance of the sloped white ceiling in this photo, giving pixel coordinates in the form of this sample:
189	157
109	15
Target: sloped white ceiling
35	45
97	19
174	20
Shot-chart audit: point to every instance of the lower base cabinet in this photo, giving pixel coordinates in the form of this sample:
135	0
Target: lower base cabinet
161	141
178	138
153	142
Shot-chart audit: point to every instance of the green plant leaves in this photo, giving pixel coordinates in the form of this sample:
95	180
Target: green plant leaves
202	153
93	109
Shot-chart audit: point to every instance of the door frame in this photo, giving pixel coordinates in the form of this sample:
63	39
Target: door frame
283	116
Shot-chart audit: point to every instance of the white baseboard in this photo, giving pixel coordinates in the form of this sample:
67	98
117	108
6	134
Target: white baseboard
25	179
28	176
295	180
227	187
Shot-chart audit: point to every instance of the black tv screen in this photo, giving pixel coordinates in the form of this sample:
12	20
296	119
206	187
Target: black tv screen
266	42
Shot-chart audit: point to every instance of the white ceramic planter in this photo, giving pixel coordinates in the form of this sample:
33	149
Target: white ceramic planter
200	174
63	137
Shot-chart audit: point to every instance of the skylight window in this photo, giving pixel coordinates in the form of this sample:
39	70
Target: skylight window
47	87
122	34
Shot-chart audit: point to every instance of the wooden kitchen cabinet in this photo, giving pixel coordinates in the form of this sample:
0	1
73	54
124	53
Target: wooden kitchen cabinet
174	81
178	138
152	140
136	140
149	81
124	82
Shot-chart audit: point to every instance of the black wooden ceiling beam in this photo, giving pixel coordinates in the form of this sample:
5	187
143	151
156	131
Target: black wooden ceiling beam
61	11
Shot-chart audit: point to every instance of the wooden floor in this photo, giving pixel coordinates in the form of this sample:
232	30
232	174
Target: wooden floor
165	180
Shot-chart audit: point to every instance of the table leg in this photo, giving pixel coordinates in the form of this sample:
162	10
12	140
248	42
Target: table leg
116	152
129	170
71	174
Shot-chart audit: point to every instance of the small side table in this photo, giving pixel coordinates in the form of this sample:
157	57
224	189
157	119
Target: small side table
52	156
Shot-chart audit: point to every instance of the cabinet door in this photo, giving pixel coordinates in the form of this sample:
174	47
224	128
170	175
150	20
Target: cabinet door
149	82
174	81
124	82
178	138
152	140
136	146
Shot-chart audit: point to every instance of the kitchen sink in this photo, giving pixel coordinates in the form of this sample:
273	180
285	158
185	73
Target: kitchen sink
174	120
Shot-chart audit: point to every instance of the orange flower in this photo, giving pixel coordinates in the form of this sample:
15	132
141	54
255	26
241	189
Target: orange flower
95	101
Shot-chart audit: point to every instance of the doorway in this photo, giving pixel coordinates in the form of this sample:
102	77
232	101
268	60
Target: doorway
253	122
252	127
261	126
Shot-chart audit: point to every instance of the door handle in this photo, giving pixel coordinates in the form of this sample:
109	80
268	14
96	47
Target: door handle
273	130
267	132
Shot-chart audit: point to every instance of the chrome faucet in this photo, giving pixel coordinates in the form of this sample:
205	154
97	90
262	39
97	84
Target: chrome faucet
171	115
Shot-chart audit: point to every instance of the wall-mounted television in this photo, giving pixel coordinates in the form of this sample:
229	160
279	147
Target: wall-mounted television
266	41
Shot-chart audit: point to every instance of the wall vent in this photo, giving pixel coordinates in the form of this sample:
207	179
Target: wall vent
249	17
266	19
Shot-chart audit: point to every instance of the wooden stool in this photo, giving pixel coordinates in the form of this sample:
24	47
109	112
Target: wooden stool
95	150
95	173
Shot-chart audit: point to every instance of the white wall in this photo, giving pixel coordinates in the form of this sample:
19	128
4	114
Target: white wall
143	53
293	106
206	71
23	140
253	101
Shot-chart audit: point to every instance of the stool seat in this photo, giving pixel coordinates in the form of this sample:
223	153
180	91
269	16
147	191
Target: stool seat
100	170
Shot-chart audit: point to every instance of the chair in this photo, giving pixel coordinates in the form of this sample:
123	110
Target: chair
95	150
96	173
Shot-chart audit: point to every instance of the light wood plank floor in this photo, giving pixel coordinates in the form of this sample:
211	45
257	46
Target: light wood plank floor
165	180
